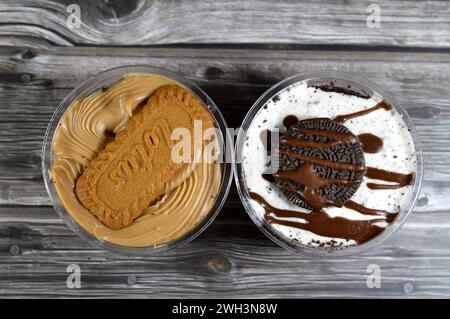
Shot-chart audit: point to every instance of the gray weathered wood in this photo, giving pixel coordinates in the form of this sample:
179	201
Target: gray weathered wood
41	60
148	22
232	258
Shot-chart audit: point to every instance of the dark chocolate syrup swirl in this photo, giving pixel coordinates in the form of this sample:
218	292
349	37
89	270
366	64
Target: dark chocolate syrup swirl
335	139
326	163
320	223
346	117
390	217
307	176
268	177
371	143
399	179
289	121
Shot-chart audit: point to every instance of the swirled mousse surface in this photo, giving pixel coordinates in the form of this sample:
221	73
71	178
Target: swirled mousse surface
183	199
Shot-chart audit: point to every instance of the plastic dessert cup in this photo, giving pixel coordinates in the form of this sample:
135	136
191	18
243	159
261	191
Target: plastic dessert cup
339	81
106	79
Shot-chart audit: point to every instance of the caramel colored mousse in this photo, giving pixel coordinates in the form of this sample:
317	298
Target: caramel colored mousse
112	168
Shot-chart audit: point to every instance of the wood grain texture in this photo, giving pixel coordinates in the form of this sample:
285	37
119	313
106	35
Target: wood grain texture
41	60
233	78
149	22
232	258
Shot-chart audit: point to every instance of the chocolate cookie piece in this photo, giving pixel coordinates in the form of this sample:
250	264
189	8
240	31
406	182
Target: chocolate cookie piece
321	163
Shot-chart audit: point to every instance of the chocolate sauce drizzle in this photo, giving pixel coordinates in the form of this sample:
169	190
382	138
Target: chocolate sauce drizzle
289	121
400	180
334	138
327	163
346	117
307	176
390	217
371	143
318	221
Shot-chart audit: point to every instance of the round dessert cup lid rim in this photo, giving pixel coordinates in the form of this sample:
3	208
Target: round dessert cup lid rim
324	252
46	158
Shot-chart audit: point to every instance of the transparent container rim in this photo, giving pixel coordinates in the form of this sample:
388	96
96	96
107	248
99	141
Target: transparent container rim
96	82
319	252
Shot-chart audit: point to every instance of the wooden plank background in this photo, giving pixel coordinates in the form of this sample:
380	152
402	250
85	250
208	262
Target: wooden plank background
149	22
234	50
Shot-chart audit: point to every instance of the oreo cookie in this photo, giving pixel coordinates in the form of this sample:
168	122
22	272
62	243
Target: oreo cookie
321	163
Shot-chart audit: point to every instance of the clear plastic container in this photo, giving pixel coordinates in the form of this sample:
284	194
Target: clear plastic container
105	79
344	81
